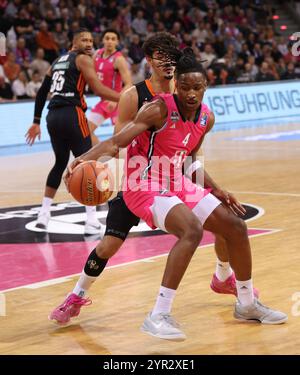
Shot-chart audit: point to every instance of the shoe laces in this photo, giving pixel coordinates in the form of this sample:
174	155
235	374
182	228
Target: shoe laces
170	321
73	299
262	307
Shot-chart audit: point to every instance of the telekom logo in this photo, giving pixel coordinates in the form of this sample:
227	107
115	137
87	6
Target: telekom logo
295	47
2	45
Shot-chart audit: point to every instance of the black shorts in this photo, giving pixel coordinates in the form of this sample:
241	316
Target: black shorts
68	130
120	219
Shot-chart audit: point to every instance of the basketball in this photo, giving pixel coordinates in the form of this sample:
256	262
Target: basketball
91	183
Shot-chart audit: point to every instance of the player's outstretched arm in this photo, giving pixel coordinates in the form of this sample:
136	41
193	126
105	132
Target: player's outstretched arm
86	65
150	115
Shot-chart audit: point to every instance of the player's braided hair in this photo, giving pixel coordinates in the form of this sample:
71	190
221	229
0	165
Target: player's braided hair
186	62
160	42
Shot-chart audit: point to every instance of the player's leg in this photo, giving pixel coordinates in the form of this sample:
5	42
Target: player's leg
119	221
95	118
80	142
171	215
223	280
62	153
223	222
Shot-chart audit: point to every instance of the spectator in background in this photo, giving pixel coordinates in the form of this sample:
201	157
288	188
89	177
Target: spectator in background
39	64
208	55
6	93
245	75
23	55
23	25
33	85
10	67
135	50
12	8
264	73
254	68
61	38
139	24
282	46
290	72
46	41
19	86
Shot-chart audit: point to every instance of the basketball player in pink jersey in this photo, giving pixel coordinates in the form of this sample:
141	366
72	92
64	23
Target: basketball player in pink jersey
163	133
120	219
113	72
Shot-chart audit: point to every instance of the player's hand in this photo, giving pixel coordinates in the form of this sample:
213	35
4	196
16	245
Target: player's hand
69	171
230	201
33	132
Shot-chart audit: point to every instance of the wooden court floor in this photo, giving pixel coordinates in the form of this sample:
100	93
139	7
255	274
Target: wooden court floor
261	172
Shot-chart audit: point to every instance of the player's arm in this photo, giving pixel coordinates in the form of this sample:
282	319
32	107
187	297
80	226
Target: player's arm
122	67
151	115
85	64
40	100
127	108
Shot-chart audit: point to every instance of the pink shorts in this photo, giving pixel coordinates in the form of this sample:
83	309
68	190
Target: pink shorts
142	201
102	111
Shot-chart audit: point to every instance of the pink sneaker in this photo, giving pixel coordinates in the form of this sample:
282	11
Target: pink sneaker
228	286
70	308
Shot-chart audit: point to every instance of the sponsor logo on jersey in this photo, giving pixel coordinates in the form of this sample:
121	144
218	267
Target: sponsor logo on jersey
174	116
204	118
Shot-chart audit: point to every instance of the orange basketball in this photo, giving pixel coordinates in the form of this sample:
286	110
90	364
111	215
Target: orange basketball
91	183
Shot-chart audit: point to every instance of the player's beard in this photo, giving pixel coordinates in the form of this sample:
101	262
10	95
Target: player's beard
169	76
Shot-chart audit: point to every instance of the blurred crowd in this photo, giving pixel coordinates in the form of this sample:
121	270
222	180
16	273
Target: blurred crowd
236	40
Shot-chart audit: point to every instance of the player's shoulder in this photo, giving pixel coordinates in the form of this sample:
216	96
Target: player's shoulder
130	93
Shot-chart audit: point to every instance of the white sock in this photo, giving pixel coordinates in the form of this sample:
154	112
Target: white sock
46	204
83	284
91	213
164	301
245	292
223	270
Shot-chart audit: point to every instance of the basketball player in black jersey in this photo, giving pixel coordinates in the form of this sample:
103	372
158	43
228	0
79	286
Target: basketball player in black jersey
120	219
66	121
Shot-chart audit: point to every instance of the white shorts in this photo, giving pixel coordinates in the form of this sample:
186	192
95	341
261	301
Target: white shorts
162	205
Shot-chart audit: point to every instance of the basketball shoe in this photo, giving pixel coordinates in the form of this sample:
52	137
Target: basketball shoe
92	227
259	312
228	286
70	308
162	326
43	220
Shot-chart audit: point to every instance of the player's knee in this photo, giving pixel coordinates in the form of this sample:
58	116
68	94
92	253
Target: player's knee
193	232
106	249
237	227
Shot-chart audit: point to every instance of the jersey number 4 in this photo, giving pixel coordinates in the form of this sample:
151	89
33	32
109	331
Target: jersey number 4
186	139
58	81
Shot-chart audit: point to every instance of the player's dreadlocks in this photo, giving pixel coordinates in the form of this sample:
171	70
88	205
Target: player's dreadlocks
160	42
186	62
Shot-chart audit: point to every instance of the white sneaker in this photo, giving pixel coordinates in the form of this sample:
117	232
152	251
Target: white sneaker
92	227
43	220
162	326
259	313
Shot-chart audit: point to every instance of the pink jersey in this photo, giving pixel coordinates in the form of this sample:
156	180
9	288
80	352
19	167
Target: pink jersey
106	72
159	155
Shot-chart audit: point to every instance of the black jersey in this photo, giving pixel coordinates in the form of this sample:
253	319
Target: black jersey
145	92
67	84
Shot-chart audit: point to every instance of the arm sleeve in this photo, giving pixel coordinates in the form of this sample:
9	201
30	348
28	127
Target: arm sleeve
41	98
